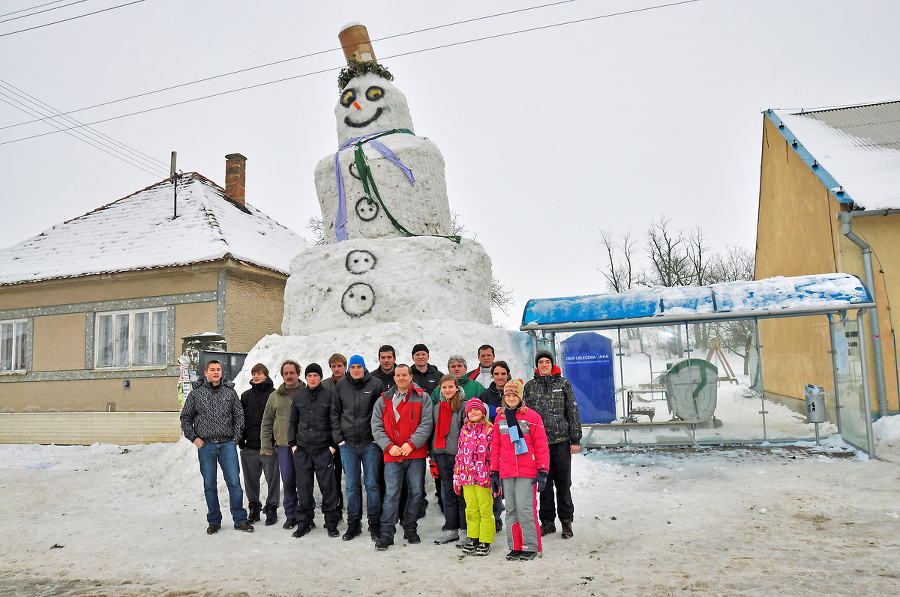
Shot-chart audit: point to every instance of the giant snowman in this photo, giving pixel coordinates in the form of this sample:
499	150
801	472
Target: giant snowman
390	271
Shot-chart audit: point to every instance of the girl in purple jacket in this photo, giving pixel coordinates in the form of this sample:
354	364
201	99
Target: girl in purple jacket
519	462
472	478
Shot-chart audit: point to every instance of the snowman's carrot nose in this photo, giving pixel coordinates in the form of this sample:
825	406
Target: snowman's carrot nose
356	105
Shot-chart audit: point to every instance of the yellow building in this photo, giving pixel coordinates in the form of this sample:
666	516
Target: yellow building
93	310
829	201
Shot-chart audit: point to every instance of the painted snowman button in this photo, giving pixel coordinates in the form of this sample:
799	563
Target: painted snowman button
358	300
359	262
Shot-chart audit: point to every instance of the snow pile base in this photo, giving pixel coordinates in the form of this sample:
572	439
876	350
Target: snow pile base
443	337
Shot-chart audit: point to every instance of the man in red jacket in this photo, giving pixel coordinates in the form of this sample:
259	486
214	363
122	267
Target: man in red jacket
401	425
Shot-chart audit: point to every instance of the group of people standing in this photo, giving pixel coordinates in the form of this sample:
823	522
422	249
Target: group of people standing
495	444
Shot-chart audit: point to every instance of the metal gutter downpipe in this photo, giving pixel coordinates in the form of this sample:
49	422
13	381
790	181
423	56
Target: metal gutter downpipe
846	218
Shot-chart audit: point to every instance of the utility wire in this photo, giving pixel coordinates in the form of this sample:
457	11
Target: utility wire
30	105
409	53
77	135
40	11
81	16
310	55
15	12
41	106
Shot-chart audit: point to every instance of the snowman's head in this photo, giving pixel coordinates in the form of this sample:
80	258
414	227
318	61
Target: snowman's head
369	103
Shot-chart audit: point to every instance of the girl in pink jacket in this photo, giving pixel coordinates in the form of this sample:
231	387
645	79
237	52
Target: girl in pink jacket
519	462
472	478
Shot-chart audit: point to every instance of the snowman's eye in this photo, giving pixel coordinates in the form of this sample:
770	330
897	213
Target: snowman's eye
348	97
373	94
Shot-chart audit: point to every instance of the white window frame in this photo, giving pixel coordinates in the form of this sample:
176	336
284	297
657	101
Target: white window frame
125	350
17	351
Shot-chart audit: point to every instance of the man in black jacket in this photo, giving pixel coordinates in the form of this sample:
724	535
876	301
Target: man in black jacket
552	397
387	358
351	428
426	376
309	436
253	463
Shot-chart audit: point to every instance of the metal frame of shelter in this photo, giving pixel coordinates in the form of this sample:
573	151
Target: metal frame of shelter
820	294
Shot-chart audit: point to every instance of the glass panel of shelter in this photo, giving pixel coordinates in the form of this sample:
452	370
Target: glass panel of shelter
654	408
848	379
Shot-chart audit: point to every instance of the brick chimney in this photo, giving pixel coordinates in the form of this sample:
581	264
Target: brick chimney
235	178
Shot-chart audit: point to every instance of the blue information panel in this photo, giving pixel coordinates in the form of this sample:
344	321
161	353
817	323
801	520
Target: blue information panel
587	363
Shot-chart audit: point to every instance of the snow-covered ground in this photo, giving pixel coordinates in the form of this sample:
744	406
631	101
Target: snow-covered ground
788	520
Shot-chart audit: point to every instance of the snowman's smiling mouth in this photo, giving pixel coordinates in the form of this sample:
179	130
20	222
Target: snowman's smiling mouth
359	125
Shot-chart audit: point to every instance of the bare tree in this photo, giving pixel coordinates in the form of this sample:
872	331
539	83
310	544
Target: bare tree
317	228
620	274
668	253
697	252
456	227
737	263
500	296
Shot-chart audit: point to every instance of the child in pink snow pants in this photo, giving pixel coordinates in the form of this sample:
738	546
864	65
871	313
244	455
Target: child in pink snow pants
520	457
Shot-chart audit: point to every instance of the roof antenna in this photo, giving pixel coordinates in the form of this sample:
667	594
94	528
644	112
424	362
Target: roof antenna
173	174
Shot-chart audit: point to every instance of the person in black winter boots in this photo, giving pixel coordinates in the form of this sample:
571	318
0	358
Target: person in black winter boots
253	463
551	396
309	437
351	429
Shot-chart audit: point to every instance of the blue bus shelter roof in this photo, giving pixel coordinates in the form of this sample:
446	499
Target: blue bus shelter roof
772	297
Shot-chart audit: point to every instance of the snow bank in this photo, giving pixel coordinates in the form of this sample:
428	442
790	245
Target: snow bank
887	428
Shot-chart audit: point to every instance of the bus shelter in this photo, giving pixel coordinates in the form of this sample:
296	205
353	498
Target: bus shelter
680	324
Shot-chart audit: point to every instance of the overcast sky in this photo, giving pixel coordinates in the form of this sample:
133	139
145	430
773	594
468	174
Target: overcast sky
549	135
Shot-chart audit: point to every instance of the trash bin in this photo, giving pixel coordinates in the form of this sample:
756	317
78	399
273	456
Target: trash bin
815	404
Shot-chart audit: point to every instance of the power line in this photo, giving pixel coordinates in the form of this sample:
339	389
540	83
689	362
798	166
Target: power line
15	12
81	16
54	113
310	55
409	53
75	134
40	11
32	106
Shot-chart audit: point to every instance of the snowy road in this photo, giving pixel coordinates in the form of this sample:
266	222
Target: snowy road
101	520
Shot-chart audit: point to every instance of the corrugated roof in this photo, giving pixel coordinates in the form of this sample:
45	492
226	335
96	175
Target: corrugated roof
855	150
772	297
138	232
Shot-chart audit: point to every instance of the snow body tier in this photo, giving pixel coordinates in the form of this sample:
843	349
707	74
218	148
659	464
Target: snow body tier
364	282
416	198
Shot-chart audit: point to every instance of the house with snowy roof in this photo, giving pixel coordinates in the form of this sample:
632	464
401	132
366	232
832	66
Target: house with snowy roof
829	201
93	310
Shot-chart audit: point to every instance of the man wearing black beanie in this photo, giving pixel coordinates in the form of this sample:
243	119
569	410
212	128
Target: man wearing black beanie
551	396
309	436
424	375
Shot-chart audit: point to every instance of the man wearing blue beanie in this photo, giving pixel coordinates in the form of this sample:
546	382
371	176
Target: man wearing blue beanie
351	428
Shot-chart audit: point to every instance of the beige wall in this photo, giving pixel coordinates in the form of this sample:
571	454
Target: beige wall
59	342
883	235
254	307
145	394
796	214
194	318
798	233
794	238
120	428
119	286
